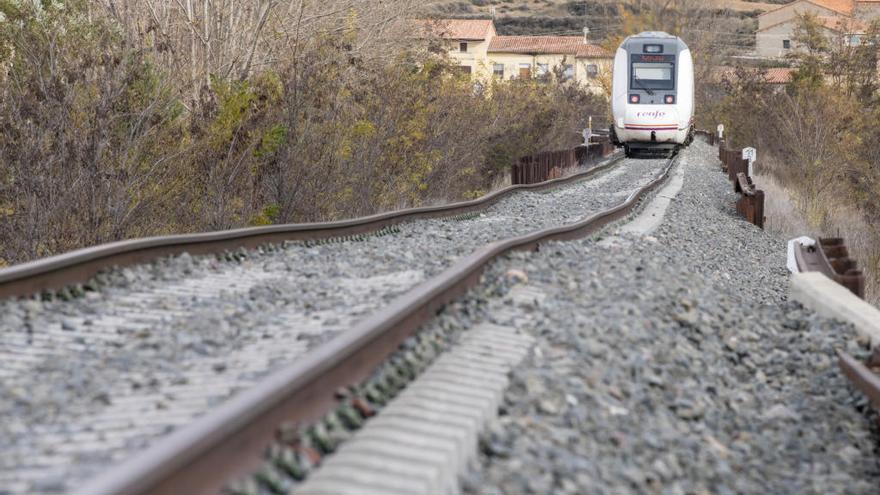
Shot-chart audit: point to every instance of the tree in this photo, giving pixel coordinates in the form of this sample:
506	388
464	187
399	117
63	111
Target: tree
811	48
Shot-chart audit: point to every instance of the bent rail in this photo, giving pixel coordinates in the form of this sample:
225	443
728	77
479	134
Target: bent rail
227	443
78	266
831	258
863	376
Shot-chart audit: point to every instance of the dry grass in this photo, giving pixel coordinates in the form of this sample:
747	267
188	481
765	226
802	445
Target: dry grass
784	218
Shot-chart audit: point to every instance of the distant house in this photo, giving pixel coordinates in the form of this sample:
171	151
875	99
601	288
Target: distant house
776	77
480	51
840	18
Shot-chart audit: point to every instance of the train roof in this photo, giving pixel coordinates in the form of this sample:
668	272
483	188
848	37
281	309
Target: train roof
631	43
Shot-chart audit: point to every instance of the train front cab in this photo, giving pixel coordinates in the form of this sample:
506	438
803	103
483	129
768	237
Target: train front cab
653	95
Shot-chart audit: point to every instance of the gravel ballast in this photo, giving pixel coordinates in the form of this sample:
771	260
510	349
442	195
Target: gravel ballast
88	381
674	364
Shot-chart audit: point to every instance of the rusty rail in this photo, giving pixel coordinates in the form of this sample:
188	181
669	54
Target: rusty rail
553	164
865	376
228	443
79	266
831	258
751	202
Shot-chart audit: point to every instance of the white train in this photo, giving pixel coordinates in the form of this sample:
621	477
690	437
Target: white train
652	100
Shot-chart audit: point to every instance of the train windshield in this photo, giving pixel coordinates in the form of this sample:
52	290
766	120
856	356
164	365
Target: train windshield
653	75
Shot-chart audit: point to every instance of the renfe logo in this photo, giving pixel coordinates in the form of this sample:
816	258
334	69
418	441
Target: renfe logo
656	114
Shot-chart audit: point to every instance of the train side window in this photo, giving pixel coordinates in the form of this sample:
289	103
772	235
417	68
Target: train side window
786	44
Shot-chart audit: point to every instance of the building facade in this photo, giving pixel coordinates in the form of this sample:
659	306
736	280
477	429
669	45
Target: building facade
839	18
478	49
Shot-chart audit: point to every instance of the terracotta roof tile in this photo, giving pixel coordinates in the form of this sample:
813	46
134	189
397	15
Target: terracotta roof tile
457	29
565	45
777	75
844	24
841	6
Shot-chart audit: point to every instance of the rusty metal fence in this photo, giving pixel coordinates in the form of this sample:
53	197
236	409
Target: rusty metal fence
553	164
751	202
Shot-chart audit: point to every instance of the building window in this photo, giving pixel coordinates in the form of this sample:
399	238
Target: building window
568	73
464	69
592	71
525	71
463	47
498	70
855	40
543	72
786	44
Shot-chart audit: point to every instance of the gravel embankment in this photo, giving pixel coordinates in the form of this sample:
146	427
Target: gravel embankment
87	382
673	364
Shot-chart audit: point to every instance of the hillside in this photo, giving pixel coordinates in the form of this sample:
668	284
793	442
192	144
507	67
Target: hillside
520	17
733	21
565	8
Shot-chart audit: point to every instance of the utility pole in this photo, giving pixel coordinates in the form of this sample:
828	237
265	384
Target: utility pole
586	27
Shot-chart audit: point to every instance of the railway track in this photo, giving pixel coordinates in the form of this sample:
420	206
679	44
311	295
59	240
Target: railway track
90	380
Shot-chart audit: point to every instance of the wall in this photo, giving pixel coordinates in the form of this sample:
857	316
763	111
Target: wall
512	61
475	56
769	43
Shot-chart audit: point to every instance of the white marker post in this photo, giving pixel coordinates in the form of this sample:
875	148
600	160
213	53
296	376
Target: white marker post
720	131
588	132
750	154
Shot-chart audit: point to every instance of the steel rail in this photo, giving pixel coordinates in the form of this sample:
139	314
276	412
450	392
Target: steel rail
227	443
861	376
78	266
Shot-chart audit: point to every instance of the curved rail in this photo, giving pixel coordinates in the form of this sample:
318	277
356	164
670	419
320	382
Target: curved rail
865	376
78	266
831	258
227	443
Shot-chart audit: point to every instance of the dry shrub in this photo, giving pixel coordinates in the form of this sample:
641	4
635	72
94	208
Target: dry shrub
783	216
111	128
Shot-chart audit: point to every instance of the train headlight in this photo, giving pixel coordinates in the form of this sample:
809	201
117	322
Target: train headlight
634	98
670	99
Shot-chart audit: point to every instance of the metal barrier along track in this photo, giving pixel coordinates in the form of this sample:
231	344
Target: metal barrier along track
831	258
78	266
228	443
751	202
